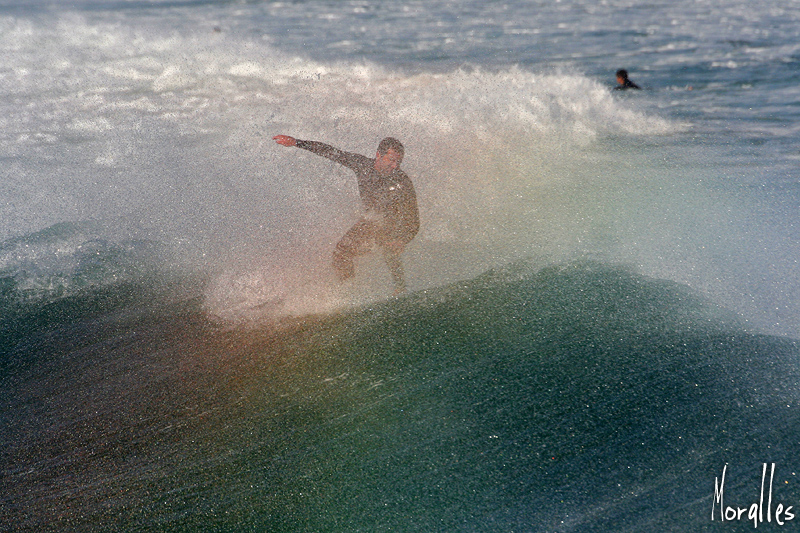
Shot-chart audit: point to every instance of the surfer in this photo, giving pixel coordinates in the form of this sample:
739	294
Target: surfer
623	83
391	217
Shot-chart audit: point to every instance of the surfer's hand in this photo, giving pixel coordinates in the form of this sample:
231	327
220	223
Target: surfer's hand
285	140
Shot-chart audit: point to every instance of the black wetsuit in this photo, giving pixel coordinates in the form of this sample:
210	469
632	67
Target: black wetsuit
627	84
390	203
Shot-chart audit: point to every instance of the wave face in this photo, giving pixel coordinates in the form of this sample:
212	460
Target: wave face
578	397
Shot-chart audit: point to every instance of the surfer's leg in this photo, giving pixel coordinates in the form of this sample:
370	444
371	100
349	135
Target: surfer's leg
396	269
357	241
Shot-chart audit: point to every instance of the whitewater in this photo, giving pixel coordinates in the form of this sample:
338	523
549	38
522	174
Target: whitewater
603	301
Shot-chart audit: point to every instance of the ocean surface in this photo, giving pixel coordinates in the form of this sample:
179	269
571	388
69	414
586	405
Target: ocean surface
601	328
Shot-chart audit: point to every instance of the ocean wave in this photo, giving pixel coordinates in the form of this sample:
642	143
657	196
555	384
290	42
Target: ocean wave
67	258
473	402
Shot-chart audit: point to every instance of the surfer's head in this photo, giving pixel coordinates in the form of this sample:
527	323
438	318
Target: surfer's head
389	156
390	143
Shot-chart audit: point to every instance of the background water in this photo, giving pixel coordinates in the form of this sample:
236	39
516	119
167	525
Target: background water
604	292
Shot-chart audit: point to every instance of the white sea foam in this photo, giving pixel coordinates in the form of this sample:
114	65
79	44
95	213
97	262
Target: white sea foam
162	114
122	99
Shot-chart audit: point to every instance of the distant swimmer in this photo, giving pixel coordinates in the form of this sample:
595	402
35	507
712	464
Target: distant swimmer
623	83
391	217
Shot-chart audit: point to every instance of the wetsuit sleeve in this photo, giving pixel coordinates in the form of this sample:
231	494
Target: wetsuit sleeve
350	160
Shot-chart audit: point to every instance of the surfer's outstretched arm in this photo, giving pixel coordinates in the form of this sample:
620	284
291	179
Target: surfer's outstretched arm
355	162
